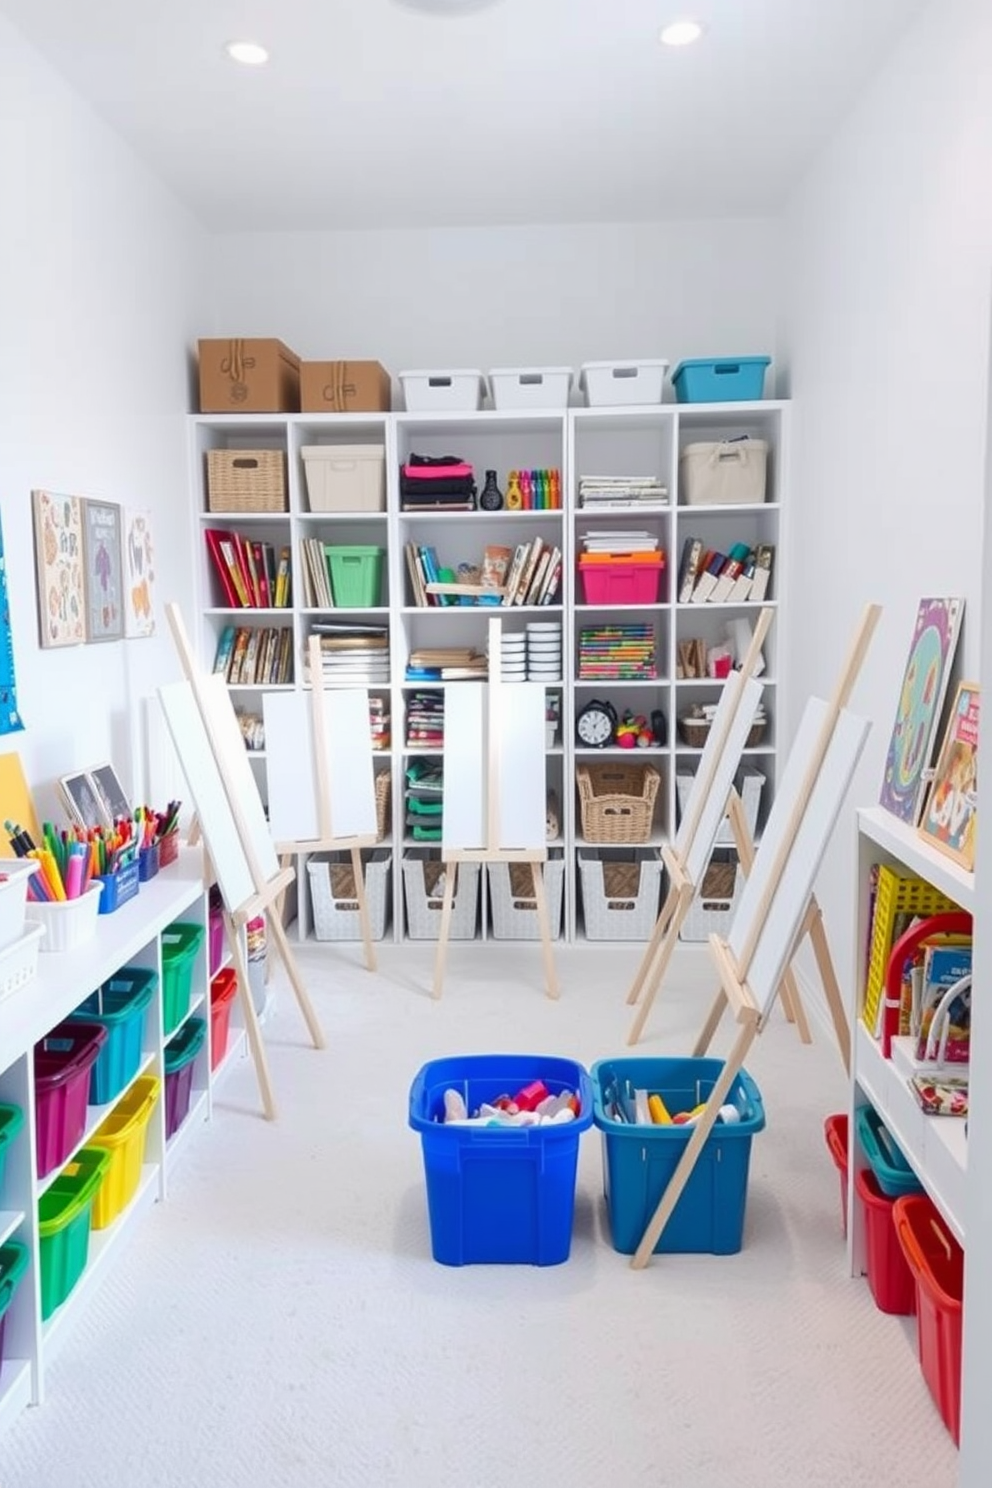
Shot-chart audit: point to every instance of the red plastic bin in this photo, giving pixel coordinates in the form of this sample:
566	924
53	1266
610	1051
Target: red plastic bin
937	1262
62	1063
892	1283
223	990
835	1129
626	581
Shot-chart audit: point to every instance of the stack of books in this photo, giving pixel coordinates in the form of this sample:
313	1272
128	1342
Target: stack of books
424	799
379	722
446	664
352	655
621	492
617	653
617	541
425	721
430	483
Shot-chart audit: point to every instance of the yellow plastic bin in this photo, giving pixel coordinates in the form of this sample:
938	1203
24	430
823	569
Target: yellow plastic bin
123	1136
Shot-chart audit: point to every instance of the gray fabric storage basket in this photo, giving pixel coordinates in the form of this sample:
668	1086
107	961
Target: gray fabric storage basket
336	917
627	914
514	916
423	904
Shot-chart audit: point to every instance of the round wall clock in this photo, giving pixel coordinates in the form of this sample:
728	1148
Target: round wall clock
596	724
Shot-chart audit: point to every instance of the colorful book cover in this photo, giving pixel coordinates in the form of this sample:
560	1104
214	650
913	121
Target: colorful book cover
950	812
921	699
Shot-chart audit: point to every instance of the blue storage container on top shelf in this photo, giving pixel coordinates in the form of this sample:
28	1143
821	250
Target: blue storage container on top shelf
504	1194
724	380
894	1174
639	1160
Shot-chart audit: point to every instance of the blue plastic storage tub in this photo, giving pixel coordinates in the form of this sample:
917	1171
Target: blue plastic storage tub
119	1005
895	1176
638	1161
499	1195
730	380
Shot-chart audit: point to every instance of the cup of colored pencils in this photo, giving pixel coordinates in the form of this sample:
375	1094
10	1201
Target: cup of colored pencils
167	832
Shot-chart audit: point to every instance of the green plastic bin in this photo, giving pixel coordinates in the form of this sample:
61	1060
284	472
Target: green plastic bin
11	1121
180	943
64	1213
356	576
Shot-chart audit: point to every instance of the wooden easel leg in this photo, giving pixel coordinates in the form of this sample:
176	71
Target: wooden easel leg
653	946
255	1043
662	957
445	929
363	907
792	1002
292	971
694	1146
711	1025
544	921
835	1000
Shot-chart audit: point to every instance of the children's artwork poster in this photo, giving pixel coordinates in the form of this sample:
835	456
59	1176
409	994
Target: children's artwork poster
58	542
950	814
139	575
921	701
10	718
103	571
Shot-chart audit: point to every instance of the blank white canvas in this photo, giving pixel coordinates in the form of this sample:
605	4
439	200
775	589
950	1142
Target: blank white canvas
291	768
225	731
206	787
785	913
463	820
518	754
523	805
701	847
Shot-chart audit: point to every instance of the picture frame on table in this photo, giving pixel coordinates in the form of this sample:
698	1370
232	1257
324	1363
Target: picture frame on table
95	797
103	570
950	811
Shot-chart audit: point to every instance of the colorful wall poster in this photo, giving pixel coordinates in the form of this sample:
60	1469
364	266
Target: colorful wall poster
139	575
950	814
10	718
58	543
921	700
102	569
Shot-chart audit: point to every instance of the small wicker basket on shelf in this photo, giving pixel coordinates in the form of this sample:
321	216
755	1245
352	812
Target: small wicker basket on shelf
695	731
617	801
246	480
383	795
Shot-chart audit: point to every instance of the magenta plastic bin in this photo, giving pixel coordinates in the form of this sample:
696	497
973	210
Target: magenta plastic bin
62	1063
216	940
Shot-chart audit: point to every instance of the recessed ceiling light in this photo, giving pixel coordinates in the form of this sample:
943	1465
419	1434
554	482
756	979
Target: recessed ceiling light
681	33
247	52
447	7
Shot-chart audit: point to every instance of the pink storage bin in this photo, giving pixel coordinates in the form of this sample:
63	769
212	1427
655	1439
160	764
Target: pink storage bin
62	1064
621	583
216	920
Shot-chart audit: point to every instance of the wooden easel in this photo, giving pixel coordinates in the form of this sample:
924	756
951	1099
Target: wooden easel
682	884
267	892
326	839
751	1009
492	852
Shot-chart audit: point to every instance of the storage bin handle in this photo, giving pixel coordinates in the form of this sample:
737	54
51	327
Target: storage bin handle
531	379
726	369
618	372
439	382
245	462
942	1237
729	452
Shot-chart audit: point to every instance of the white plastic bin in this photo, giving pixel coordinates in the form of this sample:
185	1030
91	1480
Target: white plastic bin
530	387
14	876
514	915
448	392
750	783
712	910
68	922
345	477
625	917
623	382
19	960
726	472
423	908
335	914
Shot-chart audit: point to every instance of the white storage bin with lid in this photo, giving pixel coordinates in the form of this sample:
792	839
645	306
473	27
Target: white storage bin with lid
530	387
611	383
443	392
725	472
345	477
14	876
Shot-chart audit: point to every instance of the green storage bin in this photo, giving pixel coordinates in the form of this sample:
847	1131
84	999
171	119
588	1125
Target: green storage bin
11	1121
356	576
180	943
65	1210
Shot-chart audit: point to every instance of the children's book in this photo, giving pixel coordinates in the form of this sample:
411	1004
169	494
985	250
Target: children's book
921	700
950	811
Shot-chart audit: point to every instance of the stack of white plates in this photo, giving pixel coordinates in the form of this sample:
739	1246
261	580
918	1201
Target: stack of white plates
514	658
544	651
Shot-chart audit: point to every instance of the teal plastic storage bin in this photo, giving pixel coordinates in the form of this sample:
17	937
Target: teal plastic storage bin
638	1161
356	576
499	1194
730	380
11	1121
119	1005
895	1176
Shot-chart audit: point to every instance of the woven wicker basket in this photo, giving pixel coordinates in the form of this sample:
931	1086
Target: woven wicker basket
617	801
246	481
383	795
695	731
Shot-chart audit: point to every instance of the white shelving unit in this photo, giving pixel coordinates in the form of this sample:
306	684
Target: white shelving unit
936	1147
579	441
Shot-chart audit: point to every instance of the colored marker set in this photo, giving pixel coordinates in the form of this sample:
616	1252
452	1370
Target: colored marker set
65	864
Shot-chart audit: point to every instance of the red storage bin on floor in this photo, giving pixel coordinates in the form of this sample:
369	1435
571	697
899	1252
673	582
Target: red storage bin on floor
62	1064
937	1263
892	1283
633	579
223	989
835	1130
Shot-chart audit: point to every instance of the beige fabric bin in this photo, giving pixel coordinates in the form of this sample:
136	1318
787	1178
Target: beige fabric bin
345	477
726	472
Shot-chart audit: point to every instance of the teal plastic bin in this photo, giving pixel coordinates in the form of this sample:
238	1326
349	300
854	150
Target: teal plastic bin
119	1006
729	380
894	1174
11	1121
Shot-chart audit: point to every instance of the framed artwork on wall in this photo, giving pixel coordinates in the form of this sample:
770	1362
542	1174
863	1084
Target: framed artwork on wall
950	813
102	571
139	575
58	546
918	711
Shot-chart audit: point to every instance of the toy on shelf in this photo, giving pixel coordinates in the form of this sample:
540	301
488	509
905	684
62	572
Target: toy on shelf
634	732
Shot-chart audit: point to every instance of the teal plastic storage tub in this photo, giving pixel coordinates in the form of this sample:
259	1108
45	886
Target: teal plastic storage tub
730	380
638	1161
65	1210
499	1194
180	943
895	1176
119	1006
356	576
11	1121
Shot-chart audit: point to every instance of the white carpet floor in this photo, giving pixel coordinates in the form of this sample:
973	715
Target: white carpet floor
279	1321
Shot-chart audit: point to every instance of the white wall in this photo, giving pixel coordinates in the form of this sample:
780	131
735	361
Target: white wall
100	274
505	296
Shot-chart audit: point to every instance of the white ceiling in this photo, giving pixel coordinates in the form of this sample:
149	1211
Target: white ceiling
529	111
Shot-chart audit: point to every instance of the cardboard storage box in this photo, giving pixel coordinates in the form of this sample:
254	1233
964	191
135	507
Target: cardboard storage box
345	387
261	376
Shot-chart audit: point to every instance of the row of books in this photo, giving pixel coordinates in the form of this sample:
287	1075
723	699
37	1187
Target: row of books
255	655
707	576
250	574
617	653
532	573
